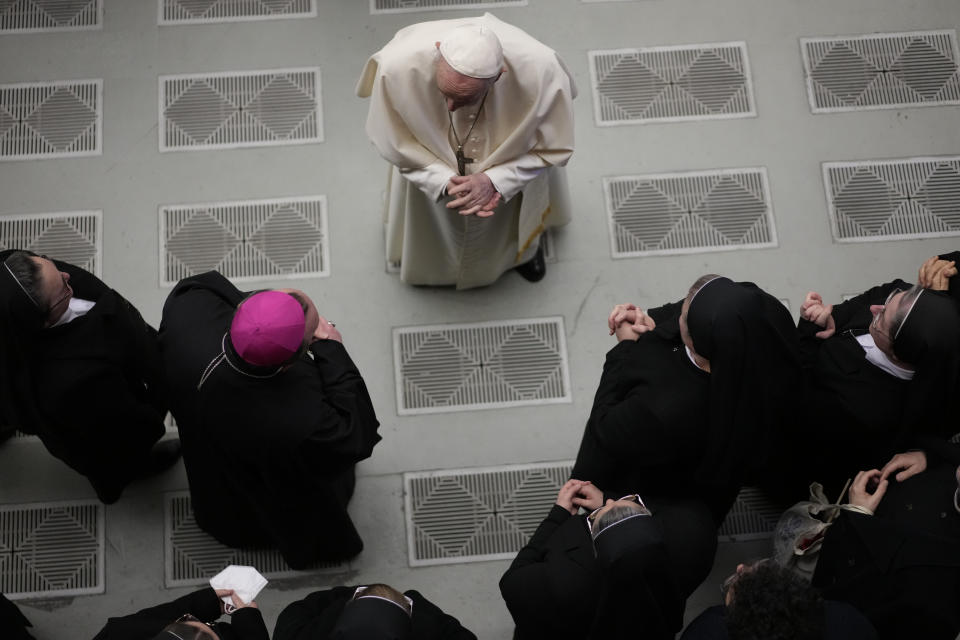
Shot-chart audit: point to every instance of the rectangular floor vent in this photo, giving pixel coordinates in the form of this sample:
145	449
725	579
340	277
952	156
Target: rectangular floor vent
71	236
51	549
192	557
61	119
240	109
893	199
882	71
671	84
752	517
403	6
35	16
469	515
215	11
278	238
691	212
485	365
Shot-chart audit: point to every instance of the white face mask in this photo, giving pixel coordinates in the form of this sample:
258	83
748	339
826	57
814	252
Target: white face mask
879	358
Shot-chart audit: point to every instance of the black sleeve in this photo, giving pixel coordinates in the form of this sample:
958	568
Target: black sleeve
247	624
709	625
346	430
203	604
536	548
429	621
301	620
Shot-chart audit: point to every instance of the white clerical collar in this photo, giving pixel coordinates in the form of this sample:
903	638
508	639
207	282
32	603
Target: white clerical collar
880	359
75	309
690	354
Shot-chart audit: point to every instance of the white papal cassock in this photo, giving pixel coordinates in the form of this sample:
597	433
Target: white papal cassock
522	138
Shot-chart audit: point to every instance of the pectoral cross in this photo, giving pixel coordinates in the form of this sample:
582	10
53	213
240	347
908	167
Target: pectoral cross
462	161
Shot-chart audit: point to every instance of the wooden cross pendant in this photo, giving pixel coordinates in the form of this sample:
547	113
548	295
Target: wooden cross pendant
462	161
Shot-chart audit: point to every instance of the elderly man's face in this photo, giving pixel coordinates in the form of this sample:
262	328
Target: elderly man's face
458	90
56	288
882	324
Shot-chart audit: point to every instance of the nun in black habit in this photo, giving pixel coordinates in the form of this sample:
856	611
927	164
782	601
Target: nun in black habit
81	370
695	396
269	449
881	375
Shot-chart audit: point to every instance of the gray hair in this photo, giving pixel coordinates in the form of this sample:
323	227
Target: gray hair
27	274
612	517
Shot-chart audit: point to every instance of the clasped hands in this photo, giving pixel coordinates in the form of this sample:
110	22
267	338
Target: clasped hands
579	493
477	195
869	487
629	321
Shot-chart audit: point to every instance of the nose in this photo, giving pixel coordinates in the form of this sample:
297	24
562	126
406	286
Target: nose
65	276
876	308
740	568
451	105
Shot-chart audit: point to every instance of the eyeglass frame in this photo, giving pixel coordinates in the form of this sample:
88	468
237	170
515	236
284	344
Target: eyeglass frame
63	280
633	497
189	617
875	323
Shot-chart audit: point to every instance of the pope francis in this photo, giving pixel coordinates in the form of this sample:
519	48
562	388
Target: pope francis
476	118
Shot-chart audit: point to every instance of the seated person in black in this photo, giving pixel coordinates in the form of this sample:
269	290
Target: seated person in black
578	574
694	395
81	370
191	617
894	551
881	375
762	601
373	612
13	624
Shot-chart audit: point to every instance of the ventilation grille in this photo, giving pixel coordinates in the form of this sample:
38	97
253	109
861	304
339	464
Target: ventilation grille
240	109
467	515
32	16
50	119
671	84
689	212
192	557
882	71
893	200
752	517
72	237
480	366
51	550
212	11
279	238
403	6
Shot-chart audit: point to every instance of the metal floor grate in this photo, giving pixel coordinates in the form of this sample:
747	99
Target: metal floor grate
689	212
214	11
882	71
51	549
403	6
34	16
50	119
468	515
240	109
277	238
671	84
484	365
192	557
752	517
893	199
73	236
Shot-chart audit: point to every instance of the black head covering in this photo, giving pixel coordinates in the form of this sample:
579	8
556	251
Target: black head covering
638	594
372	618
751	342
20	318
929	340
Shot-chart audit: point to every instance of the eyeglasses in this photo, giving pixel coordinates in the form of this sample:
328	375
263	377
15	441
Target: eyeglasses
875	323
635	498
207	629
